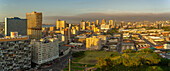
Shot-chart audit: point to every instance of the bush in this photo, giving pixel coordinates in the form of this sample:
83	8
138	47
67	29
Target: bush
164	61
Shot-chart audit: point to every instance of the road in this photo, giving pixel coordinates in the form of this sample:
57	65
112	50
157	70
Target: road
58	64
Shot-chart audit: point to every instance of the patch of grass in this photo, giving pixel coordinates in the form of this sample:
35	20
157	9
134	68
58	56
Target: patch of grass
78	58
90	56
77	68
89	59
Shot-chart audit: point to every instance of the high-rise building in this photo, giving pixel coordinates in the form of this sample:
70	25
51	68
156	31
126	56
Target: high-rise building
111	22
66	35
103	21
34	25
45	50
97	22
15	53
159	26
122	24
15	24
114	24
60	24
82	25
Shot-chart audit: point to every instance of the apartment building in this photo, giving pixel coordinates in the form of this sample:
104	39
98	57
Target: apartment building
15	53
45	50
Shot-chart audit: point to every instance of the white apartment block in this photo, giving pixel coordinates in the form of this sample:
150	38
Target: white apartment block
45	50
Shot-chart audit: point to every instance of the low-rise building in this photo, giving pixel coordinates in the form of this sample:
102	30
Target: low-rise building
93	43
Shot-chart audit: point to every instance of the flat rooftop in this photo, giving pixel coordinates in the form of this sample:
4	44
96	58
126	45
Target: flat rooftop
14	39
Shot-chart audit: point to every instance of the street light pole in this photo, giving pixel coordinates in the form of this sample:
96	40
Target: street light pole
69	64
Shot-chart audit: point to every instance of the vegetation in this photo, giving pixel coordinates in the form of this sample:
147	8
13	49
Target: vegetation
90	57
87	59
145	60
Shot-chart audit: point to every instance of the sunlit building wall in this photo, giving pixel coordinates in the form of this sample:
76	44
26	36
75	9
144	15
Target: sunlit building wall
34	25
93	43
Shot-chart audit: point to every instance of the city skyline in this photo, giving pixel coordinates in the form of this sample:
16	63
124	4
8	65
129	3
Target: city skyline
11	8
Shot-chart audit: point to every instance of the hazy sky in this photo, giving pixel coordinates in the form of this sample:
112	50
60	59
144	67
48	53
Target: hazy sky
11	8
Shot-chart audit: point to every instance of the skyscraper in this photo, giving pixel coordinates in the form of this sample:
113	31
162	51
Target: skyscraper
103	21
34	25
60	24
122	23
114	23
97	22
82	25
15	24
111	22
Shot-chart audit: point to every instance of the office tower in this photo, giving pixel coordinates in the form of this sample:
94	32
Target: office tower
103	21
82	25
70	25
15	24
122	23
114	24
74	31
97	22
66	35
60	24
34	25
45	50
93	43
159	26
111	22
15	53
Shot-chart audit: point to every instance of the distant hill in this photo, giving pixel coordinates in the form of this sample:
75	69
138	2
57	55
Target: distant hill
132	17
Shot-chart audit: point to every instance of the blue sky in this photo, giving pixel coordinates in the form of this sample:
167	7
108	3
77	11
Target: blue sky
10	8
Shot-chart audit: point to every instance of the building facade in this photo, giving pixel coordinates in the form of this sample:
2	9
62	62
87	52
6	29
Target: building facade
82	25
93	43
15	53
44	50
15	24
34	25
60	24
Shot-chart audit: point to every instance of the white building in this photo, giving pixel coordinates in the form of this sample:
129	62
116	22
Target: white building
45	50
167	45
105	27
